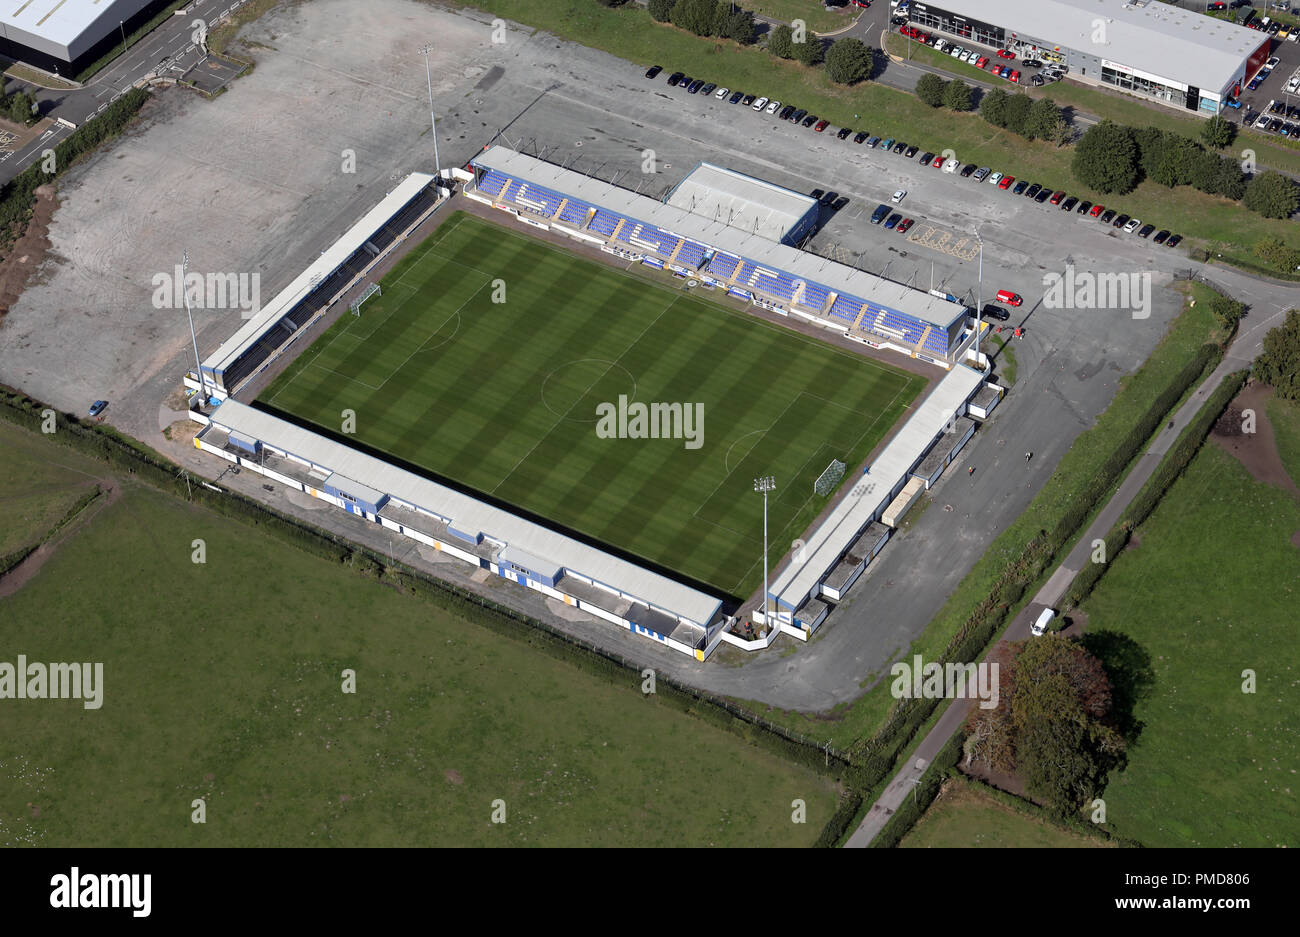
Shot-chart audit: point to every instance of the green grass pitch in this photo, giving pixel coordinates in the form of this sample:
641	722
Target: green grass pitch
501	396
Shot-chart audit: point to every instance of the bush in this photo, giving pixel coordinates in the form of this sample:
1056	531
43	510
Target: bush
993	107
1106	159
958	95
1272	195
740	27
930	89
848	62
1279	363
661	11
840	820
697	16
1218	132
810	51
780	42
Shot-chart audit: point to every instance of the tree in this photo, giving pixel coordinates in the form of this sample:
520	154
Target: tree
1218	132
958	95
1151	146
1175	162
19	108
780	42
611	3
1272	195
1043	120
740	27
1106	159
810	51
721	13
1229	180
1277	255
848	62
661	11
930	89
1018	106
697	16
1279	363
993	108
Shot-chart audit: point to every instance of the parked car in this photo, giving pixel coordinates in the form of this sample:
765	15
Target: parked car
810	120
888	144
1146	230
98	407
822	125
759	104
1008	297
1020	187
1014	76
1083	208
1173	240
1069	203
844	133
685	83
1033	190
900	147
893	220
1161	237
981	173
904	225
1043	195
910	151
1107	215
1005	182
879	214
860	137
1096	210
1132	226
696	85
926	157
1232	102
952	165
829	199
967	170
898	196
982	61
1005	54
653	71
995	178
995	312
736	97
708	89
747	100
773	107
675	77
1057	196
721	93
786	112
1120	221
873	143
1037	80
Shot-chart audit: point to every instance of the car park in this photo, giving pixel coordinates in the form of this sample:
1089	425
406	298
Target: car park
822	125
1107	215
653	71
1161	237
721	93
879	214
1020	187
898	196
1173	240
736	97
708	89
995	312
925	158
981	173
1005	182
1146	230
1069	203
994	178
1043	196
1132	226
873	143
1033	190
967	170
1120	221
1083	208
759	104
1096	210
1008	297
893	220
675	77
98	407
904	225
910	151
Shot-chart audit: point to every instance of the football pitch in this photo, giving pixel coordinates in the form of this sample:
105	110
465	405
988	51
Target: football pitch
487	356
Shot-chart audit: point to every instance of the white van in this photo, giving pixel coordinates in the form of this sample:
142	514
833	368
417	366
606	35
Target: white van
1044	619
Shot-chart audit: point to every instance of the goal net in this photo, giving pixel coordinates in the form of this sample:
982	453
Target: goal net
369	291
828	479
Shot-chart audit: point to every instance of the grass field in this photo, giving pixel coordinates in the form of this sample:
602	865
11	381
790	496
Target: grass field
1204	741
962	816
222	682
502	397
34	494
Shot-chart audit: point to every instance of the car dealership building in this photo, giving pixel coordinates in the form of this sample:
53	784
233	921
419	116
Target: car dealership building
1177	57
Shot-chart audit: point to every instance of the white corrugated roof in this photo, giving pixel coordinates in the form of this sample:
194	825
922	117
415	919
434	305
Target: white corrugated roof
762	251
62	22
823	548
741	201
320	268
468	514
1184	45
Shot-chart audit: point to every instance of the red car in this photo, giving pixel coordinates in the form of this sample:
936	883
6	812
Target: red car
1006	181
1057	196
822	125
1009	298
1014	76
983	60
1004	54
1096	210
904	225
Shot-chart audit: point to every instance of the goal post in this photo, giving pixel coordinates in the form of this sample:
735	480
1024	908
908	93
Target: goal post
829	478
371	290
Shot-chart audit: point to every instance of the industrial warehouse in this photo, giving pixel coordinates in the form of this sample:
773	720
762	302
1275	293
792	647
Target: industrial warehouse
1178	57
49	32
581	575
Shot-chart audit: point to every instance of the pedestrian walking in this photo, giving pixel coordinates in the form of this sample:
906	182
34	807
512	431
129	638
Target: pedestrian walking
1028	456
